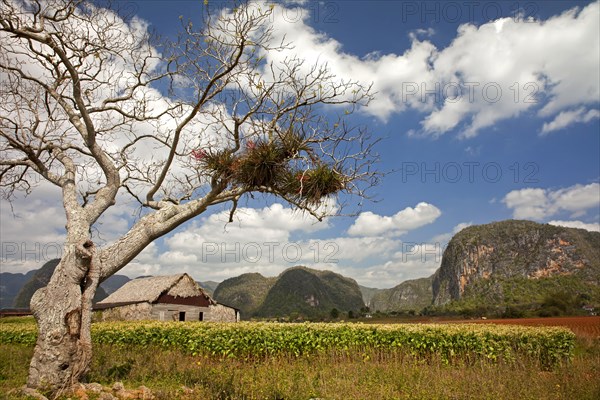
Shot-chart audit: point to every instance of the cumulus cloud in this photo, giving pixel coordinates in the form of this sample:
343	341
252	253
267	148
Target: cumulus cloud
527	203
488	73
386	72
356	249
577	199
539	203
271	239
371	224
32	230
512	64
274	223
567	118
411	261
444	238
594	227
259	240
146	263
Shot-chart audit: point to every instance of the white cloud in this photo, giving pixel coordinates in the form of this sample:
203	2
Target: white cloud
567	118
519	63
354	249
370	224
146	263
577	199
412	261
444	238
527	203
538	203
594	227
423	32
489	73
32	230
259	240
274	223
386	72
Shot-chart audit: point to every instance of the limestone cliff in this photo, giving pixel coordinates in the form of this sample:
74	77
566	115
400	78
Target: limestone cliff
410	295
481	256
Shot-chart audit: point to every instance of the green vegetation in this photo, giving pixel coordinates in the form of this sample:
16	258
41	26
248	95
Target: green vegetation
365	375
297	293
267	163
251	340
310	294
505	269
246	292
513	266
354	361
521	297
412	295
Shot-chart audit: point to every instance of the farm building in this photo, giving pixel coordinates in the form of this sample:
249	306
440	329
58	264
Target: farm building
164	298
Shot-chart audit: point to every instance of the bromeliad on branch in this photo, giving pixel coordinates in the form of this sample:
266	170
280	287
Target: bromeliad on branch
272	166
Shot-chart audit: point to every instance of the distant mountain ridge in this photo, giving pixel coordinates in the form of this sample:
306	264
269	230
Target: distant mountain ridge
505	267
298	290
208	286
411	295
16	289
10	285
246	292
38	280
368	293
497	266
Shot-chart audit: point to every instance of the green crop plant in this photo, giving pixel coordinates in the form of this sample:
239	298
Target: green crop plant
255	340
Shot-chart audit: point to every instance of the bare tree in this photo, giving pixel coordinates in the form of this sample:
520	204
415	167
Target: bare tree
92	105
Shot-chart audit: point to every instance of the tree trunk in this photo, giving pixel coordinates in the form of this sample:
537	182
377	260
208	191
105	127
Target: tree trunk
63	311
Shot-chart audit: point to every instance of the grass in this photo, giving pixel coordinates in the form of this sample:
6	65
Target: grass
366	375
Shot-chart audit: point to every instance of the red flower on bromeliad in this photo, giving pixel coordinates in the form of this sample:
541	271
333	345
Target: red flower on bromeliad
302	178
250	145
199	154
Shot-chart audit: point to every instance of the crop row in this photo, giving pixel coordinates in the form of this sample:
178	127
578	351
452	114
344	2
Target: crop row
548	345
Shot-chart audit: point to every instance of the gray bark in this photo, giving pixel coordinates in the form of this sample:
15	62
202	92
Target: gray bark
63	310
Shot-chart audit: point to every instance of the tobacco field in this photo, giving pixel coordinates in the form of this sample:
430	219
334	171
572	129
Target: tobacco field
547	346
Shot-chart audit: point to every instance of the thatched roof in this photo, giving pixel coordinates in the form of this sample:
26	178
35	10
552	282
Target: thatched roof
150	289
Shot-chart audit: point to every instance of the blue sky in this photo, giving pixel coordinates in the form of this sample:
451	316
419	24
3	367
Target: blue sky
521	140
